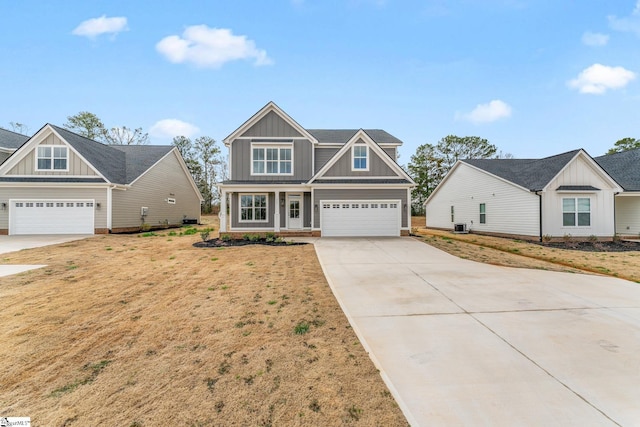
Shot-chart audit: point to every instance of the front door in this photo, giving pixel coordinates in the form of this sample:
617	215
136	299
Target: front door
295	212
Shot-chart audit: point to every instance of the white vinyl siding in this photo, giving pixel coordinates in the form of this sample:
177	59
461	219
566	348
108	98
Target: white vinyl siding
628	215
513	209
601	202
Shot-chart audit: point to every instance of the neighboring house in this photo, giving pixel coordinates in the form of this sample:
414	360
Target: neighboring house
10	142
567	194
58	182
291	180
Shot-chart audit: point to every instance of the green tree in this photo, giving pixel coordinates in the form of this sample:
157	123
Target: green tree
125	136
624	144
86	124
203	160
431	163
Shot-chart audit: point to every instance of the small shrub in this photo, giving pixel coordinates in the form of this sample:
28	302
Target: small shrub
593	238
616	238
204	235
547	238
246	236
301	328
279	240
567	238
254	238
225	237
145	227
270	237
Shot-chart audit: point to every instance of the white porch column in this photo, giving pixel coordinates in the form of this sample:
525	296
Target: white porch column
223	212
276	213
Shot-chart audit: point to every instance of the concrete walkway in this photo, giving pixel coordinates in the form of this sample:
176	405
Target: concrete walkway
17	243
462	343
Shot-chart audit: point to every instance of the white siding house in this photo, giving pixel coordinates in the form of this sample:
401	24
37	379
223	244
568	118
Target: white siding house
566	194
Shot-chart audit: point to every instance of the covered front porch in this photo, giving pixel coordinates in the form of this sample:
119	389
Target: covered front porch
283	210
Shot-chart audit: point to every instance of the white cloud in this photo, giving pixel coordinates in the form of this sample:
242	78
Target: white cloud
595	39
598	78
168	128
628	24
210	47
486	113
94	27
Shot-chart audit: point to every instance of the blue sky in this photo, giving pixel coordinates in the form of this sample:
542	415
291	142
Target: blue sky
534	77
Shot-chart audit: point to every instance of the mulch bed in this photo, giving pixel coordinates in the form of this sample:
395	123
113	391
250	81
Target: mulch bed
620	246
219	243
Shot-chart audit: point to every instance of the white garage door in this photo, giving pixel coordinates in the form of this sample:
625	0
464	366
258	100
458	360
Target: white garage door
51	216
360	218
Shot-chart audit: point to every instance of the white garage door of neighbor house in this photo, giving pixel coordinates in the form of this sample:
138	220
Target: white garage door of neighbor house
51	216
360	218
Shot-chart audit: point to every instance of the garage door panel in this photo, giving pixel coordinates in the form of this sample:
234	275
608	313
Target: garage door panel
360	218
51	217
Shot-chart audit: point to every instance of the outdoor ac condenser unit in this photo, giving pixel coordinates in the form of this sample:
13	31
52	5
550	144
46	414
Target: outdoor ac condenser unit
460	228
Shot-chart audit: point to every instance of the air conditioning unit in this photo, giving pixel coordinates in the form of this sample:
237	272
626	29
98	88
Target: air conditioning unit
460	228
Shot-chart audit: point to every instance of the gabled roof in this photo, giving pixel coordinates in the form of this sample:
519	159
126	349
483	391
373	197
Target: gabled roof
532	174
363	135
270	107
342	136
11	140
624	167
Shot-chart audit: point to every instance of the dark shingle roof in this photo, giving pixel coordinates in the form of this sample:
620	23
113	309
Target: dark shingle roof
362	181
11	140
624	167
120	164
341	136
139	158
49	179
577	188
532	174
275	182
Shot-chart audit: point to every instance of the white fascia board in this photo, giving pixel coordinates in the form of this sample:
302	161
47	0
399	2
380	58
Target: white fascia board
360	186
457	165
248	188
271	106
594	165
361	134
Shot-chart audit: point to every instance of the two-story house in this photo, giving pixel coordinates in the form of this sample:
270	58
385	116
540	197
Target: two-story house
331	182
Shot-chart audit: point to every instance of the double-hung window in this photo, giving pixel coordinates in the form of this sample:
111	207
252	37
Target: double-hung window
271	160
51	158
483	213
253	208
360	155
576	212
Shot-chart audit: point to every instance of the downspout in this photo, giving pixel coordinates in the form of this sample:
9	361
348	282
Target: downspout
615	224
539	213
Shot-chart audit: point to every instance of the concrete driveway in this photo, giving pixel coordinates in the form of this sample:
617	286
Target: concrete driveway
462	343
17	243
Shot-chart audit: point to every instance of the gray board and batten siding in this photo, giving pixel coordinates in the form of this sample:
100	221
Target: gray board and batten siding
241	163
324	154
377	167
272	125
325	194
165	181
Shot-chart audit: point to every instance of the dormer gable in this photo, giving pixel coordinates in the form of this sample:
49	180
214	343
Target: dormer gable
361	157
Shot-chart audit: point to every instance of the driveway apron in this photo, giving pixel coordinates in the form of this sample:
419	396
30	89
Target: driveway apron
465	343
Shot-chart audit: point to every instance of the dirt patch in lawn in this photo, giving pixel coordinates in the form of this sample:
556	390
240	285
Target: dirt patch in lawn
134	331
518	253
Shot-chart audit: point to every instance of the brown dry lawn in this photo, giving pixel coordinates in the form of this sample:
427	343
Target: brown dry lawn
517	253
125	330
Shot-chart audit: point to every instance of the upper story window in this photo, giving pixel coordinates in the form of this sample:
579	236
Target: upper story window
271	160
576	212
52	158
360	154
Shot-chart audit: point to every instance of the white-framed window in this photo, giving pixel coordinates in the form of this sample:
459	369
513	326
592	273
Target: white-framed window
52	158
452	214
271	160
253	208
576	212
483	213
360	156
